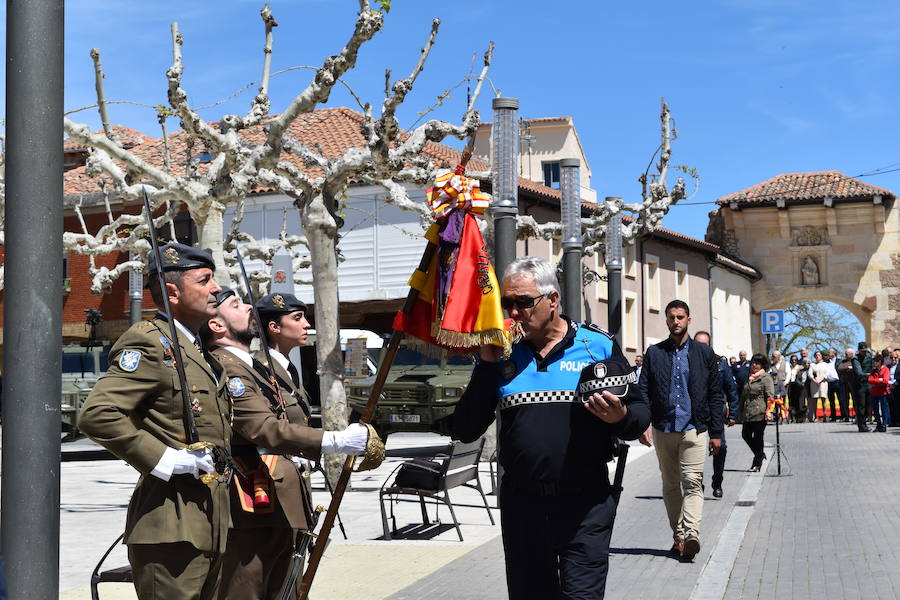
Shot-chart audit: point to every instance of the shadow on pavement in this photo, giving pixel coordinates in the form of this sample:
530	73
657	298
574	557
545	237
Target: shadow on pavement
648	497
418	531
637	551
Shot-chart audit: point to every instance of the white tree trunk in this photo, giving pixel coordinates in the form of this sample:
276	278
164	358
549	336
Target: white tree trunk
211	233
321	235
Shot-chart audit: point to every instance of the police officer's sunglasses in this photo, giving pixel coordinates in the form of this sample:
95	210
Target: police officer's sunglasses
520	302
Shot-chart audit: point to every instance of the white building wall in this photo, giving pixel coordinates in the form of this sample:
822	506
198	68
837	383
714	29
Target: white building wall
730	311
381	244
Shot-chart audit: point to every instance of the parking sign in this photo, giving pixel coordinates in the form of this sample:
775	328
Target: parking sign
772	321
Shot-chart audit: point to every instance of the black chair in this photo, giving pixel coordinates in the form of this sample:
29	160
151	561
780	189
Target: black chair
119	575
435	479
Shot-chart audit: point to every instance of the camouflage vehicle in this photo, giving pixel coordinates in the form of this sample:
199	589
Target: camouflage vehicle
420	393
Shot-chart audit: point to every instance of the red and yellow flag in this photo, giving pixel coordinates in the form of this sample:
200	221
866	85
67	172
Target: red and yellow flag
458	302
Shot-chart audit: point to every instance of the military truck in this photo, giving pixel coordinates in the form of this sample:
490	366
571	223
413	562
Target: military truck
81	368
420	392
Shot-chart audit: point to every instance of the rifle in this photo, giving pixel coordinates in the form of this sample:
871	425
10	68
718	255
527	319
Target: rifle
221	456
187	416
262	335
301	545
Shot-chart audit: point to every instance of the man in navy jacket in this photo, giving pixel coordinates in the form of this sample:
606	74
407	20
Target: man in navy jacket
680	380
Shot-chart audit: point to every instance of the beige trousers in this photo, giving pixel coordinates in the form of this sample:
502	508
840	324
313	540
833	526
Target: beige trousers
681	456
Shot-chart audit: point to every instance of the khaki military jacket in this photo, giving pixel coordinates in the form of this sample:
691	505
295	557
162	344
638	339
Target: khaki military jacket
256	425
135	411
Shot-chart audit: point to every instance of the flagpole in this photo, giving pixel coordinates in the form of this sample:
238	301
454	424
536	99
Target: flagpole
315	556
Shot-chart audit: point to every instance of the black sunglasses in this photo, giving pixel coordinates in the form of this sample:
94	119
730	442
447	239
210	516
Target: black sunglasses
520	302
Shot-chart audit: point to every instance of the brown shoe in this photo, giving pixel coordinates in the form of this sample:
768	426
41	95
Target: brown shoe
677	547
691	547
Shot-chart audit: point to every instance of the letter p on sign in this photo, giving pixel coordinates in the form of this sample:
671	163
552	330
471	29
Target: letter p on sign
772	321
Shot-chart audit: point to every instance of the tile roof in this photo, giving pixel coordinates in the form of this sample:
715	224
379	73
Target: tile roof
127	136
804	187
331	130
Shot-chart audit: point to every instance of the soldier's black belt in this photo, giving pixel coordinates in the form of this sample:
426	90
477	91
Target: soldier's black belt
597	482
243	451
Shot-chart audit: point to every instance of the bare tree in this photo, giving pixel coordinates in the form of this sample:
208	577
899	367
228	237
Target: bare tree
390	158
646	215
818	325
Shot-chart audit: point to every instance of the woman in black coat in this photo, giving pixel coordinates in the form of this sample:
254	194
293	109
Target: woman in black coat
754	397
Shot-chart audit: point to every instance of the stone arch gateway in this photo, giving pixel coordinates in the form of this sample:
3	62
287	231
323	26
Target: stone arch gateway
818	236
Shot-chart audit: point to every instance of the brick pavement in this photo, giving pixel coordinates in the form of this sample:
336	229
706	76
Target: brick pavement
830	529
639	565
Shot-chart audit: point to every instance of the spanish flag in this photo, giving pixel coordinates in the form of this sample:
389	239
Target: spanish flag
458	302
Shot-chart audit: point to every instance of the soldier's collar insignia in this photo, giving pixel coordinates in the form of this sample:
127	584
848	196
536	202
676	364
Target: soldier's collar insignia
278	301
170	256
129	360
236	387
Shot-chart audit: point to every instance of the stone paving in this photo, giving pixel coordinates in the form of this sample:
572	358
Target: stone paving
827	528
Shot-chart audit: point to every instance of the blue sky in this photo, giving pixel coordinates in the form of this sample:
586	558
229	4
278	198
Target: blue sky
757	87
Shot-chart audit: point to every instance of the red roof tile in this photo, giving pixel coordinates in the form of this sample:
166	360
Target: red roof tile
815	185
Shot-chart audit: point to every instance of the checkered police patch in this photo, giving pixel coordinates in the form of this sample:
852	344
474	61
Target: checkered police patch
236	387
550	396
129	360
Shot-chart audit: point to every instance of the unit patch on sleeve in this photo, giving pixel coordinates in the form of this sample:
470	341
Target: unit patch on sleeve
236	387
129	360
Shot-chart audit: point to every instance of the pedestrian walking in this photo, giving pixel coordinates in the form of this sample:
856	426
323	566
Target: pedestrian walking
680	381
879	388
731	408
177	525
556	503
754	399
847	378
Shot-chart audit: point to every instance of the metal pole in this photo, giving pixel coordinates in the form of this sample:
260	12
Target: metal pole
135	291
32	309
570	190
505	185
614	273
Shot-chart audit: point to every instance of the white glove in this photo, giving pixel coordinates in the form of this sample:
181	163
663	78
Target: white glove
184	461
301	463
349	441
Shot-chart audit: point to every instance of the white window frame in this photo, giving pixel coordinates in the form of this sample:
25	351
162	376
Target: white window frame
682	292
630	321
652	282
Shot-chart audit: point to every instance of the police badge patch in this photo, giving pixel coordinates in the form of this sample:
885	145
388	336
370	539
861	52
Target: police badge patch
509	370
129	360
236	387
600	370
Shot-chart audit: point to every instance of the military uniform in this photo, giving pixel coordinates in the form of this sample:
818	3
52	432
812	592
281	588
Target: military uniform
261	541
175	530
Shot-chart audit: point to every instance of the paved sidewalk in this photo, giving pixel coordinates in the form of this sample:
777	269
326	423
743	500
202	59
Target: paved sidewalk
828	528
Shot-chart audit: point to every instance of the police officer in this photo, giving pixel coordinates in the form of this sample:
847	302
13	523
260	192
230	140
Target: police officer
272	447
176	526
555	498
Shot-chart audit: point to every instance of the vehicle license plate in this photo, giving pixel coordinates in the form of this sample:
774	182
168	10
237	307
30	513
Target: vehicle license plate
404	418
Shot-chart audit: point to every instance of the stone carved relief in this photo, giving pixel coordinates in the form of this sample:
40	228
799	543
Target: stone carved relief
810	236
809	271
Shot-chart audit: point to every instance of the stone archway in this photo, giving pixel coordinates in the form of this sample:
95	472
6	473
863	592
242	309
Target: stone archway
818	236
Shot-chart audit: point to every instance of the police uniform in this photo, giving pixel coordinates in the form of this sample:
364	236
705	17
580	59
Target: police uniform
555	499
261	540
175	530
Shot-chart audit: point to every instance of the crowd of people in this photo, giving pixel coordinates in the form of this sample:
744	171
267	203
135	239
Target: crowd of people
833	385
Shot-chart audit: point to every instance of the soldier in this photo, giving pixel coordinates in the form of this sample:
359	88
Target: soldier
272	446
176	526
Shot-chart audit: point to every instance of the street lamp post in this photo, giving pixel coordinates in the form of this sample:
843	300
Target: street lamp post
135	291
505	184
569	185
614	272
33	294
